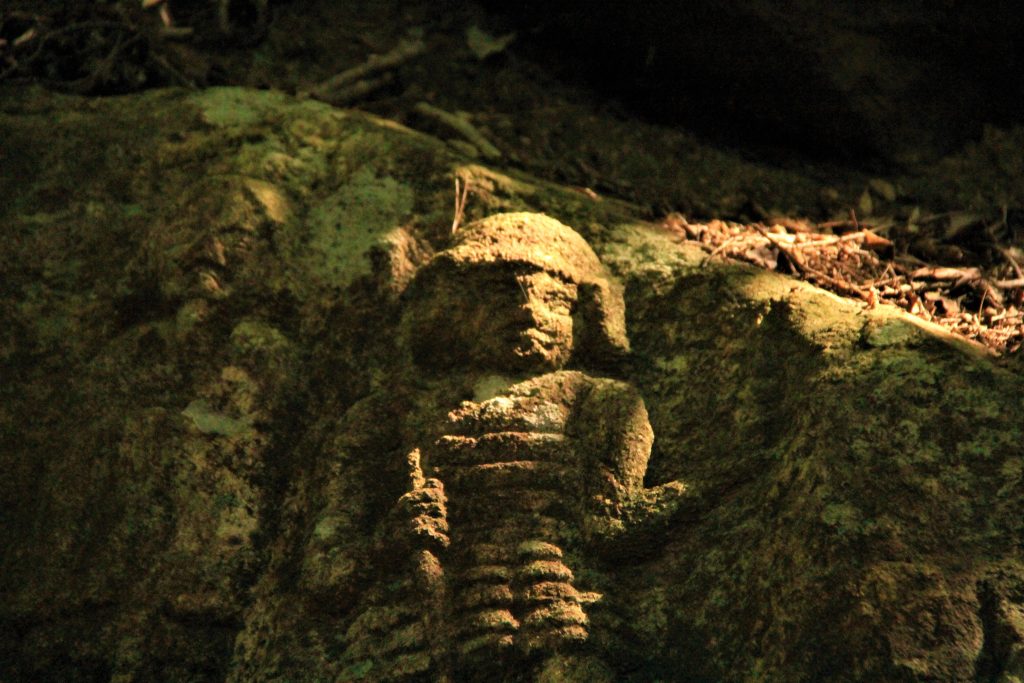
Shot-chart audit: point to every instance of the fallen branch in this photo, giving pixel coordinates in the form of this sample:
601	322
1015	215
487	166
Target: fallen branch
462	126
865	238
946	273
358	90
346	82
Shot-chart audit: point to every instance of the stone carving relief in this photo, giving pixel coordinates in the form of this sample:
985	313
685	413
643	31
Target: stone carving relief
490	561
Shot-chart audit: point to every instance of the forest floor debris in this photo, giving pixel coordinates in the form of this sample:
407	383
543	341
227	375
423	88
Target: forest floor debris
984	304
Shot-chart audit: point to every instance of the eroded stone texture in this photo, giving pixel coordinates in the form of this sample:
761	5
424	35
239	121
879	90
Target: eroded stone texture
206	423
515	293
514	493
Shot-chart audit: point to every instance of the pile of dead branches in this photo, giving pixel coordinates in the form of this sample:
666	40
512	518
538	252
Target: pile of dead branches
849	258
123	46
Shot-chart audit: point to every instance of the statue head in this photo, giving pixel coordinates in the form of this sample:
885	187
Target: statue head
515	293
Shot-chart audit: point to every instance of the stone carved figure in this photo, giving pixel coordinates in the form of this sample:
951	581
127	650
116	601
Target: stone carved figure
490	551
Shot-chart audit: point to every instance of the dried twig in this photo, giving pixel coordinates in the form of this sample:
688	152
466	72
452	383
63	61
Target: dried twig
809	272
715	251
867	239
461	195
960	275
1013	262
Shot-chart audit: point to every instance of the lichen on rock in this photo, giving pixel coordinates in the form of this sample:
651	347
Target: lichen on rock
225	330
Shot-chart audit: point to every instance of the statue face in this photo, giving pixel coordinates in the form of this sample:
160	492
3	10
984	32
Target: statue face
544	319
502	317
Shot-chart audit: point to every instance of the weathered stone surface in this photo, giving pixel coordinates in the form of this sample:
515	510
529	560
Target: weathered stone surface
212	399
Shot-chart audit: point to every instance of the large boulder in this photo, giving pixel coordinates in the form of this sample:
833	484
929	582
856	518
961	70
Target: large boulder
209	404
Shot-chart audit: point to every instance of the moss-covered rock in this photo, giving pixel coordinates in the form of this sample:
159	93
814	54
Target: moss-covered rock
204	411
